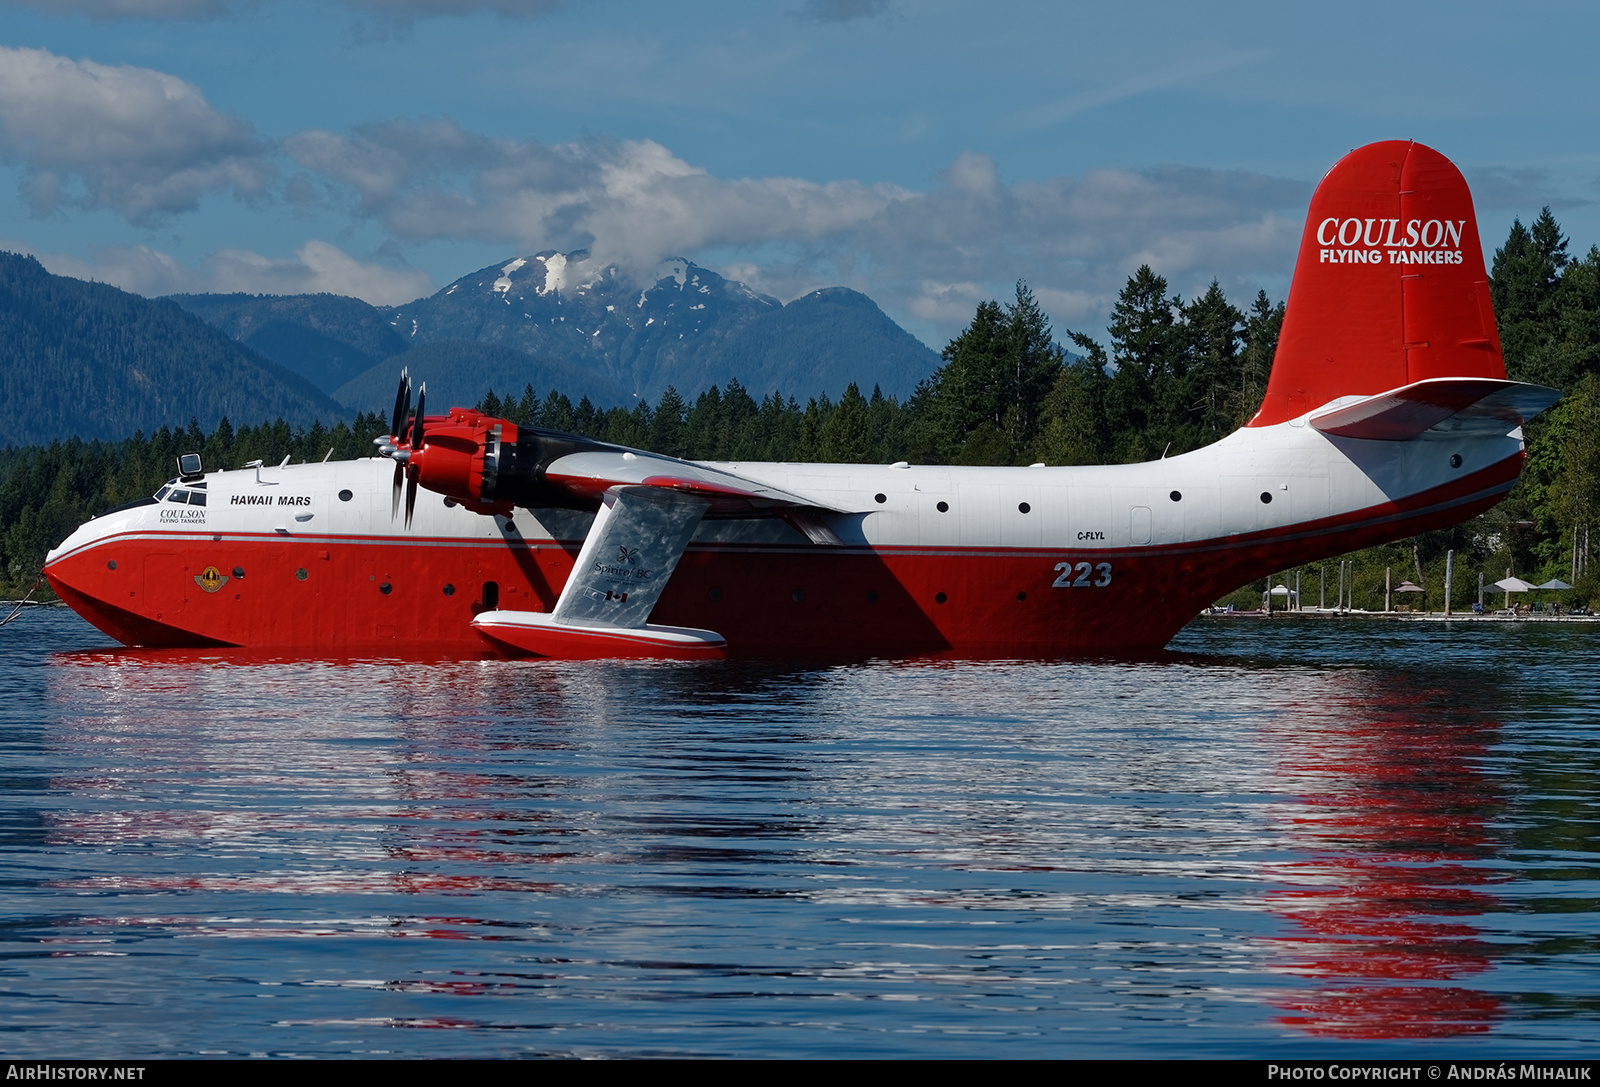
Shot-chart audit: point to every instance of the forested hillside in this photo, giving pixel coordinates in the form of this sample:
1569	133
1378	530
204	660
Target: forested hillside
87	359
325	338
460	372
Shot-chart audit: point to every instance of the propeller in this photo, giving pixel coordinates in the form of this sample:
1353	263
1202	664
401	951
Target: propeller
454	469
416	447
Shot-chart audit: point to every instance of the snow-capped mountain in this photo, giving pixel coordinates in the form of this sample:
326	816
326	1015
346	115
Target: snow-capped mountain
561	321
685	326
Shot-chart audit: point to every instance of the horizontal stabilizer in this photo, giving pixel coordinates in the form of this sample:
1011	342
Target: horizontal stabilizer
1440	407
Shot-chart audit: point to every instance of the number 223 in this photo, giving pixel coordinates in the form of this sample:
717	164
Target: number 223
1076	575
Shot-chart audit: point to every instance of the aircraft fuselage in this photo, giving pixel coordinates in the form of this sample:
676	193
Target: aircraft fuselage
991	561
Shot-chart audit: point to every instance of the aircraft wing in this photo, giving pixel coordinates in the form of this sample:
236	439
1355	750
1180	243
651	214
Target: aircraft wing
592	472
1438	408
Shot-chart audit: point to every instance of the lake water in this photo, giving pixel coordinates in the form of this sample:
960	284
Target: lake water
1281	839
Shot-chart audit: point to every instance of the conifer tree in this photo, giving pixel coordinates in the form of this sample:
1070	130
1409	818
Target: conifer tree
527	407
846	437
983	404
1144	341
1209	374
1524	282
1261	330
666	426
556	413
1073	413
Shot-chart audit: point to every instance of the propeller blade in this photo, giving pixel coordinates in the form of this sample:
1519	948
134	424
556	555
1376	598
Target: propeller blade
394	500
416	430
402	402
413	471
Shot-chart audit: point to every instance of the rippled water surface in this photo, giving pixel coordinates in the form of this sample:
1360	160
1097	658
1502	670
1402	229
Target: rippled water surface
1280	839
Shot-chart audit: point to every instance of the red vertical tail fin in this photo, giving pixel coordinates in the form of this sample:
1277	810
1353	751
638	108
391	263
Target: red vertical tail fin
1389	288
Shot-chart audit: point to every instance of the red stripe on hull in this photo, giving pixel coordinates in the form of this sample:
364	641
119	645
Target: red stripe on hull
328	595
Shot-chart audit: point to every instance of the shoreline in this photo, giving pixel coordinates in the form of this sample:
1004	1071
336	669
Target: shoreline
1399	616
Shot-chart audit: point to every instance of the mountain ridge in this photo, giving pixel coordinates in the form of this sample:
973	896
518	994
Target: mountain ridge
87	360
687	327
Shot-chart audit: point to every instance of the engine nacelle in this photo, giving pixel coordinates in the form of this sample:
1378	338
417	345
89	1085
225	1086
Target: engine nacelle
491	465
459	458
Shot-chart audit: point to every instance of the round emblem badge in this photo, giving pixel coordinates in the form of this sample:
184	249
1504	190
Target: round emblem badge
211	579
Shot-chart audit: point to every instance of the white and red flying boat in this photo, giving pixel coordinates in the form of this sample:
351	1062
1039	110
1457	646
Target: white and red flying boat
1387	413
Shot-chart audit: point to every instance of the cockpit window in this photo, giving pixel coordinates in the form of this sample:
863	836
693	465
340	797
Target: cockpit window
181	495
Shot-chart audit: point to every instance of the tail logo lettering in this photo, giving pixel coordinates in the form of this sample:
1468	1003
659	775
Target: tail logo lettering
1384	241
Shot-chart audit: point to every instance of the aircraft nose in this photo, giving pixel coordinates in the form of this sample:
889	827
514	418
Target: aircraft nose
81	535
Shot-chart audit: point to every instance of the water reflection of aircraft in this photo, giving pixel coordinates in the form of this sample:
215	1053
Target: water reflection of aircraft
1387	413
1394	818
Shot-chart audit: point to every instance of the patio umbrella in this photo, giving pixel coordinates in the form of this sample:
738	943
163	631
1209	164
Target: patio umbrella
1514	585
1555	583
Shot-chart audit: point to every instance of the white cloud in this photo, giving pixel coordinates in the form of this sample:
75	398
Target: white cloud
973	173
148	145
139	142
929	256
315	268
134	268
630	202
1075	240
947	303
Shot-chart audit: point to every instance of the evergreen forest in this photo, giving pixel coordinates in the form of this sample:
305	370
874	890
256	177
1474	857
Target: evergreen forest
1178	375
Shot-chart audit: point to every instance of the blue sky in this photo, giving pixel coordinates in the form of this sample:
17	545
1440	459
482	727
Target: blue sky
929	154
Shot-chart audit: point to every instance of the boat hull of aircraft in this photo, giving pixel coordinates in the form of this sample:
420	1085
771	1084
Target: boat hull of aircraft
1387	413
